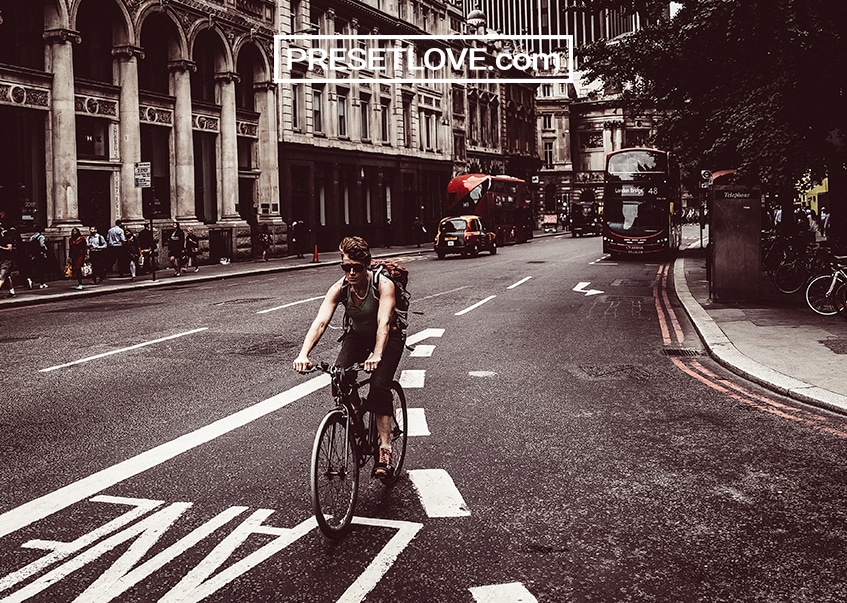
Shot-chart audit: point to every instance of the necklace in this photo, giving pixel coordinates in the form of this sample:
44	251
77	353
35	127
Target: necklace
362	296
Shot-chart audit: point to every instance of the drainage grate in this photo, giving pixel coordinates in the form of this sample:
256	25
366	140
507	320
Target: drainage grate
680	352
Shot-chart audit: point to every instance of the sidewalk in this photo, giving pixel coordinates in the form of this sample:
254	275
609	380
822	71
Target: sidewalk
63	289
777	341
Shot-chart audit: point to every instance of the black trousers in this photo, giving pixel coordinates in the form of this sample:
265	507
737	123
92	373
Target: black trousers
356	348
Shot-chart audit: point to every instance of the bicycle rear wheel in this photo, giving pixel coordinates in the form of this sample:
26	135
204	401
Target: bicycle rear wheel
399	434
334	475
790	277
818	296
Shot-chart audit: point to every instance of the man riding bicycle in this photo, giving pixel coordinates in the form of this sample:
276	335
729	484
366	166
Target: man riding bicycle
371	337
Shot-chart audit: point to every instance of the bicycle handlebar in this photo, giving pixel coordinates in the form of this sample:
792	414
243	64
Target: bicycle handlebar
325	367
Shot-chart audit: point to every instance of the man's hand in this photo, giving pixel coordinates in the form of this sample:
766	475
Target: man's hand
302	364
371	362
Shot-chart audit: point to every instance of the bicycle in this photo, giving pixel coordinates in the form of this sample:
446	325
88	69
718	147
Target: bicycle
346	441
827	293
794	273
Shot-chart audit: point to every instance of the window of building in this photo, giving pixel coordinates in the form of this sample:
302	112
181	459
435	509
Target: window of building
342	115
317	110
548	154
547	121
407	123
365	106
297	107
91	138
547	90
385	121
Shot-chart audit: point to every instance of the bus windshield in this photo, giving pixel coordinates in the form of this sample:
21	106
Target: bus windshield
633	217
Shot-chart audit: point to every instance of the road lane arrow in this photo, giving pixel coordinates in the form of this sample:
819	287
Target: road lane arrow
581	288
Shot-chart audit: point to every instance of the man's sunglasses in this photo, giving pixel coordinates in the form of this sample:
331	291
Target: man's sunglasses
355	267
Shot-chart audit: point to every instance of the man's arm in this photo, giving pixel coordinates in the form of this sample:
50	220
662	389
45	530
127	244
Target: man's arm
319	325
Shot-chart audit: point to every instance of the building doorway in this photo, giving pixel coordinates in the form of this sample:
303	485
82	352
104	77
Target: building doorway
94	199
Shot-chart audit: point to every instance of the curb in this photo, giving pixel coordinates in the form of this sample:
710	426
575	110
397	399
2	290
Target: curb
248	269
726	354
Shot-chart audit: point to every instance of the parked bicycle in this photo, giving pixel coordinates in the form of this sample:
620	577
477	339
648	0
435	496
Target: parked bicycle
827	294
346	441
799	266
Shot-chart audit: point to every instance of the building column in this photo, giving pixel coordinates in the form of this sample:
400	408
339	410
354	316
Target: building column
268	147
63	204
229	147
129	208
183	140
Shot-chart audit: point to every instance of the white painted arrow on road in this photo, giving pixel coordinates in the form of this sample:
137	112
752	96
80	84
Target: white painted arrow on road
581	288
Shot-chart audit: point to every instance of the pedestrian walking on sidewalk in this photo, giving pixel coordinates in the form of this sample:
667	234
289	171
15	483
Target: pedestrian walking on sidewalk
192	247
418	231
264	242
176	248
7	259
38	253
115	238
98	252
146	245
78	250
132	252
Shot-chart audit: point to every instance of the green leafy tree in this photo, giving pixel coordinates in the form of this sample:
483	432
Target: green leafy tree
756	85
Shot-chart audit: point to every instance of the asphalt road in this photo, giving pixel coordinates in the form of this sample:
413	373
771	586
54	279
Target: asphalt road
573	444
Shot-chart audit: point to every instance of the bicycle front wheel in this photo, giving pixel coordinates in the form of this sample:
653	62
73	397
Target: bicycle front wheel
818	296
399	433
790	277
335	475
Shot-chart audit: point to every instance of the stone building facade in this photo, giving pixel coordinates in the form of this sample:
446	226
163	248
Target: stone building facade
90	89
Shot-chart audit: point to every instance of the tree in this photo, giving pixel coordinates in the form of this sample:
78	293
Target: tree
757	85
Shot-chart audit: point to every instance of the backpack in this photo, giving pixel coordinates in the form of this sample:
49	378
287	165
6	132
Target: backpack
398	275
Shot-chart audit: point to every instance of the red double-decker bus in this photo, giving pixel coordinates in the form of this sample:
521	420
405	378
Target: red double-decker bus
503	203
641	202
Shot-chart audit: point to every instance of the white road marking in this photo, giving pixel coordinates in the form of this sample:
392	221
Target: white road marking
221	565
417	423
475	306
425	334
132	347
519	283
442	293
64	497
297	303
412	379
482	374
422	351
514	592
368	579
581	288
438	493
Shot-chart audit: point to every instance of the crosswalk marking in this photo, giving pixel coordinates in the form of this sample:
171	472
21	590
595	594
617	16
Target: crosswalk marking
514	592
438	494
412	379
422	350
417	423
